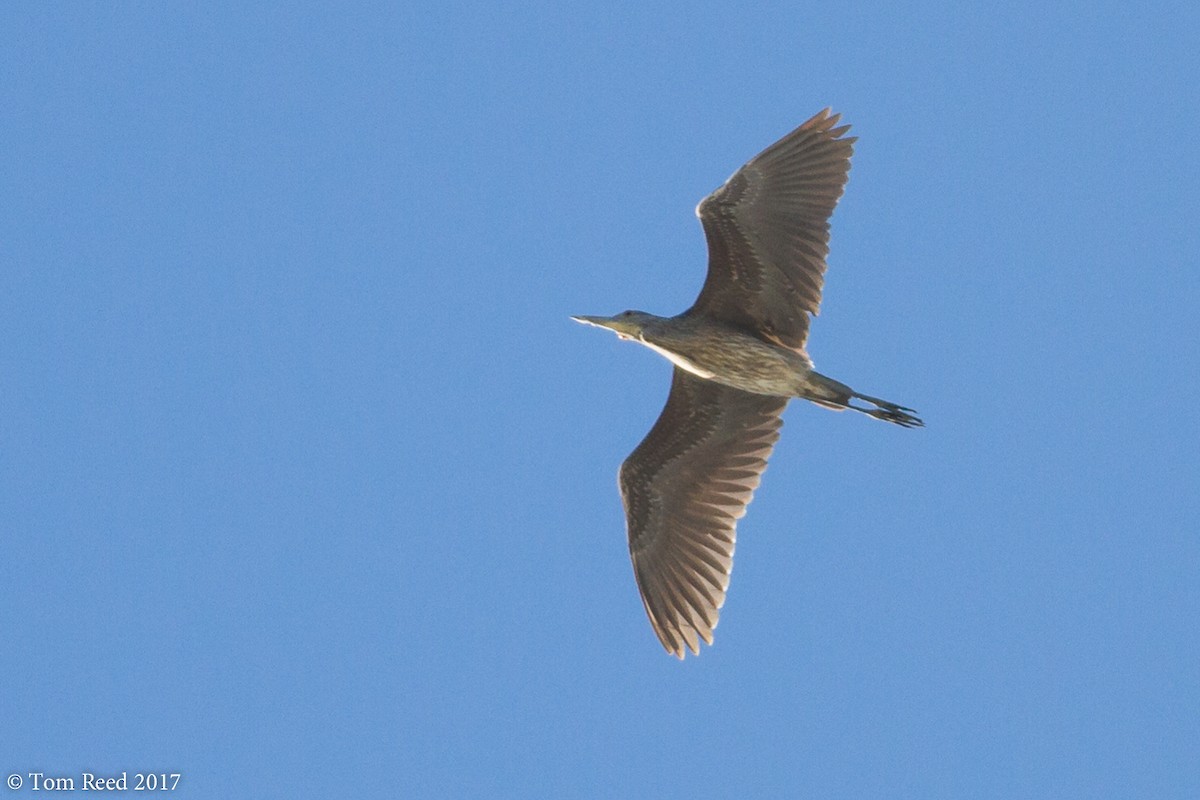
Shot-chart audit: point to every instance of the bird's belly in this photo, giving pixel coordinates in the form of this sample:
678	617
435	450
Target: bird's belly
680	361
744	363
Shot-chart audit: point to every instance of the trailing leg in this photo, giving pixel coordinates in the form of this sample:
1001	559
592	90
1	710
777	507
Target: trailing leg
833	394
888	412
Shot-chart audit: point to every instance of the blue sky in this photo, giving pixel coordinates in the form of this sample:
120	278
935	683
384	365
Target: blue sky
307	480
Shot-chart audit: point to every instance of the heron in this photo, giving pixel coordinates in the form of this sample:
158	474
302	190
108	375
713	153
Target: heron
739	355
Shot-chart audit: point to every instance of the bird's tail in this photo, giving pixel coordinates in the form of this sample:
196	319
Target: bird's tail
836	395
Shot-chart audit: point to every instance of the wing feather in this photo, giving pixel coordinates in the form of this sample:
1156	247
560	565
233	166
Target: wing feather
684	488
768	232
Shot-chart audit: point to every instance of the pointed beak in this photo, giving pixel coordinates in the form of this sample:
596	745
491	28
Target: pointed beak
621	327
599	322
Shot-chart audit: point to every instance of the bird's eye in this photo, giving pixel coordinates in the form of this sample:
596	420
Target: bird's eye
626	313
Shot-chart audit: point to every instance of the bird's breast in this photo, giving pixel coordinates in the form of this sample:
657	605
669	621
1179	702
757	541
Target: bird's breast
735	359
680	361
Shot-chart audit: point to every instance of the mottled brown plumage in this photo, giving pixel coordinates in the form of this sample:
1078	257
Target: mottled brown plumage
739	355
710	445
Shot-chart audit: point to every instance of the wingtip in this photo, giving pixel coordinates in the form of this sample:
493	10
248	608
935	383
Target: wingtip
825	121
818	118
688	638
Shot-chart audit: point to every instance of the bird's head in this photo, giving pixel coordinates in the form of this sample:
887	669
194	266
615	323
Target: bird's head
627	324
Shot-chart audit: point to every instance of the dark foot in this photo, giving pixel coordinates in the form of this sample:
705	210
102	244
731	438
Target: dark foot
890	412
895	415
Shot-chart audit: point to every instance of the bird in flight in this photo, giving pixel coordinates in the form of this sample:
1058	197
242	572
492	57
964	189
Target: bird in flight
739	356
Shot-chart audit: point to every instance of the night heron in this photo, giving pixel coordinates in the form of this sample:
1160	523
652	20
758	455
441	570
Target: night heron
739	357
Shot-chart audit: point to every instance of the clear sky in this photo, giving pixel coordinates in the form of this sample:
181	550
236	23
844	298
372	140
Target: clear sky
307	480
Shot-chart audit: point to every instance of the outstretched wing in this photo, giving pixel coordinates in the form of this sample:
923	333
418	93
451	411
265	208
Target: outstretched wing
768	232
684	488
